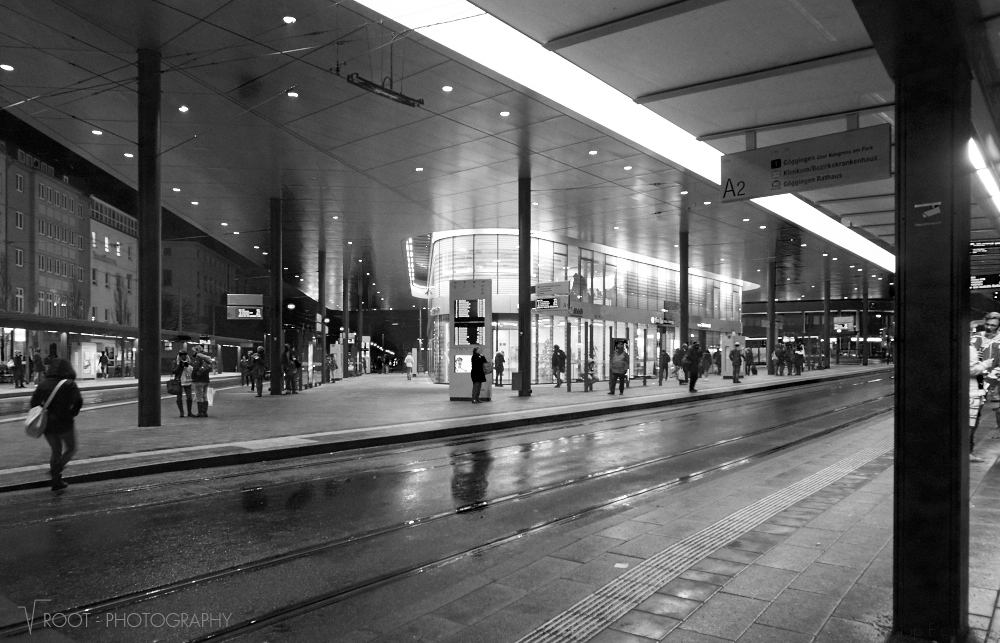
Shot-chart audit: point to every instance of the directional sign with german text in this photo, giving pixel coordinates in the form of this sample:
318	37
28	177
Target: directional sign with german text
847	157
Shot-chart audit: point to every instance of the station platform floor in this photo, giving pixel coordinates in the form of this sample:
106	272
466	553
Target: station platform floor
796	548
371	410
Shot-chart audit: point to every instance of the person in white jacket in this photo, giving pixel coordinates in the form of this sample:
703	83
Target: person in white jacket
977	396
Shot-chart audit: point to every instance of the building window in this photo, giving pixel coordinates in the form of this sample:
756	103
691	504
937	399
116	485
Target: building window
118	248
19	300
49	261
41	263
168	278
41	192
106	316
41	228
19	220
107	280
107	245
18	257
128	283
41	302
80	271
93	313
19	183
93	239
130	252
93	276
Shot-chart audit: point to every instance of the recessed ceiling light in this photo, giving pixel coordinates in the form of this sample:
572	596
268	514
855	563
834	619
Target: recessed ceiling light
684	191
224	223
256	247
350	243
763	227
419	169
745	220
723	260
182	108
447	88
294	95
859	270
6	67
285	268
335	217
301	279
803	245
96	131
177	189
616	227
826	254
628	167
505	114
129	155
592	152
834	258
707	202
236	231
289	20
194	203
758	269
263	253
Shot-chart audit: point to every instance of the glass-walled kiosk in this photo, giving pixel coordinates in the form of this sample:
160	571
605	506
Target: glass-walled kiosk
616	293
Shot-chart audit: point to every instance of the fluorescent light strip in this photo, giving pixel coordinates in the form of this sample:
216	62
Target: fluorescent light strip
465	29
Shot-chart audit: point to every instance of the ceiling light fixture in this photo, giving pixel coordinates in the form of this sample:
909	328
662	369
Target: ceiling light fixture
803	245
684	191
236	231
745	220
129	155
628	167
447	88
194	203
616	227
224	223
293	94
384	92
419	169
182	108
335	217
463	27
707	202
289	20
763	227
505	114
592	152
263	253
7	67
256	247
96	132
177	189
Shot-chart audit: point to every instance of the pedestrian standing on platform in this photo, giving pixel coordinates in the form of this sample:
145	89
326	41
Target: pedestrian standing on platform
778	357
182	371
589	376
558	364
38	367
201	364
706	363
977	395
678	362
498	365
60	431
717	360
286	370
747	361
103	360
408	362
258	367
691	362
18	370
798	358
478	374
619	367
736	357
245	369
664	364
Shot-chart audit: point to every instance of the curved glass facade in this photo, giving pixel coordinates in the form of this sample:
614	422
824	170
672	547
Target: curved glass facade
625	294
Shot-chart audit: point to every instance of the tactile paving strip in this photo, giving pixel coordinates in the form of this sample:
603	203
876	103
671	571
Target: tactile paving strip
602	608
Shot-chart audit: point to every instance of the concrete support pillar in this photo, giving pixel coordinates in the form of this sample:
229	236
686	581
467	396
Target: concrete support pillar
684	288
348	258
324	370
524	285
276	329
931	526
772	289
150	223
825	348
863	348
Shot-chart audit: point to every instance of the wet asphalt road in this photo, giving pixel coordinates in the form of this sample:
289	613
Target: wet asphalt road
328	524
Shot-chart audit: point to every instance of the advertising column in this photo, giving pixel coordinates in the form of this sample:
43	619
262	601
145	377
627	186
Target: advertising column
471	313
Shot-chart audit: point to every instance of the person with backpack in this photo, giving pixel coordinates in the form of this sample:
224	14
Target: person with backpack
201	364
619	367
691	363
64	405
558	364
678	362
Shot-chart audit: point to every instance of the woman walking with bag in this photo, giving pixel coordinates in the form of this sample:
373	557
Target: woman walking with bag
64	405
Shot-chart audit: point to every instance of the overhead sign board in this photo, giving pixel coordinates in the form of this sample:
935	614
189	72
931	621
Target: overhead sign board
875	304
239	312
249	301
844	158
843	322
985	282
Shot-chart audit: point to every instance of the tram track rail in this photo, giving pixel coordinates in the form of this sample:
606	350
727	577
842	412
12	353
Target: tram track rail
677	414
325	599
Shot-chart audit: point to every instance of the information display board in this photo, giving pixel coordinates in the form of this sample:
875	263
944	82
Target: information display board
471	309
242	306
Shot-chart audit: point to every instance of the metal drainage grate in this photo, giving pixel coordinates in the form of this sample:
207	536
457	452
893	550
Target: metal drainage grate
609	603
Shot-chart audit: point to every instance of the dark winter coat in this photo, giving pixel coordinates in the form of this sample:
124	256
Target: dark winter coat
478	362
66	404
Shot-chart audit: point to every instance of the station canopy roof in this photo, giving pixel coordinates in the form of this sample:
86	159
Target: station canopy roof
619	112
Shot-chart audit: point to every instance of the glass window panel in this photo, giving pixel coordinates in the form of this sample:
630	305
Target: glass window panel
507	268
